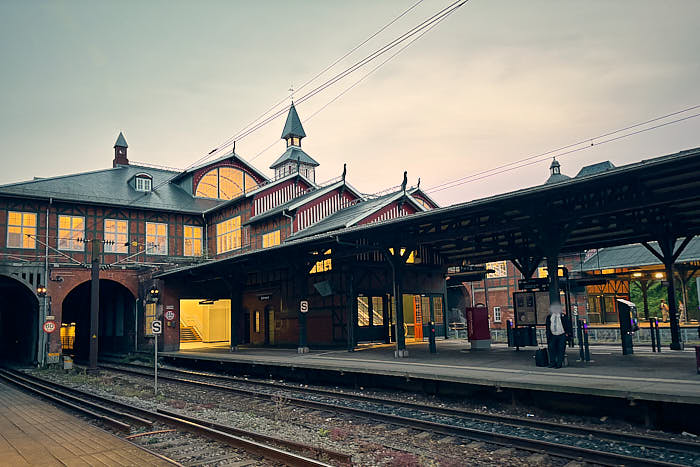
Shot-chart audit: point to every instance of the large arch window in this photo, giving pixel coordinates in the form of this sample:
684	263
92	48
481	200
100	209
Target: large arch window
225	183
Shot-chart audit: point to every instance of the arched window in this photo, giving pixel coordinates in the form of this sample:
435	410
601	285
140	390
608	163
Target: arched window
143	182
225	183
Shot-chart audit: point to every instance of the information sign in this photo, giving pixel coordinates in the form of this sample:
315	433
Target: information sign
156	326
304	306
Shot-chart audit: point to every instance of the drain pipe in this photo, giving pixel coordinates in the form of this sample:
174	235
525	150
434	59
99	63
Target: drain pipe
45	338
291	221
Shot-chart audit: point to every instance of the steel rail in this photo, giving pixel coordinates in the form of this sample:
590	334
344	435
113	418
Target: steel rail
562	450
269	452
121	426
647	441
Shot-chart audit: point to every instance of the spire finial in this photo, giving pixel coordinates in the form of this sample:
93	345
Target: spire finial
291	92
418	186
345	170
405	180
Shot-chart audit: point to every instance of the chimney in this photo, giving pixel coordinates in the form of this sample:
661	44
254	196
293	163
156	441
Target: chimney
120	151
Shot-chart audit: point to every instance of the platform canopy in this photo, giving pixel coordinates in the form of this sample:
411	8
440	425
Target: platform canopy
640	202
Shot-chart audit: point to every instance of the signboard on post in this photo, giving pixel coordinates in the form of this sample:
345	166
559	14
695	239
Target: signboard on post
156	329
49	326
304	306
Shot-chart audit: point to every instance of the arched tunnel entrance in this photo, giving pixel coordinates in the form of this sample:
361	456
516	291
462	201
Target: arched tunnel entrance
117	319
19	322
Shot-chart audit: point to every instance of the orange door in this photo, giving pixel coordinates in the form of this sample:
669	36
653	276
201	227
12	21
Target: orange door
417	317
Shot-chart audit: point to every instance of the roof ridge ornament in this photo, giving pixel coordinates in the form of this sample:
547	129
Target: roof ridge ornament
405	181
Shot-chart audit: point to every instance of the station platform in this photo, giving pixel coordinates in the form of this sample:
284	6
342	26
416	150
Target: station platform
33	432
670	376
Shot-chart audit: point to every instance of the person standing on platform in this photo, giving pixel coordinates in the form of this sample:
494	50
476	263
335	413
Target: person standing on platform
557	330
664	311
681	311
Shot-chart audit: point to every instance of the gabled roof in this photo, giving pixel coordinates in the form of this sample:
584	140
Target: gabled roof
595	169
294	154
293	127
121	141
353	214
111	187
423	194
626	256
303	199
232	156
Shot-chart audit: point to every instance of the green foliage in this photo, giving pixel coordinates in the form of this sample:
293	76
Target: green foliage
322	432
656	292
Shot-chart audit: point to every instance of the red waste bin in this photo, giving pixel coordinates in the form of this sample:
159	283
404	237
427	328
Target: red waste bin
478	328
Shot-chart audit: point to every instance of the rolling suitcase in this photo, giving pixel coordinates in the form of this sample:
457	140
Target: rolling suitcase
541	357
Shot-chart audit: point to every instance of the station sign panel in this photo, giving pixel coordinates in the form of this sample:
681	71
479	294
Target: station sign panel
304	306
156	326
531	308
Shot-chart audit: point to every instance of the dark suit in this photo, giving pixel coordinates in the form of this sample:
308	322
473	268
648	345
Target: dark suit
557	344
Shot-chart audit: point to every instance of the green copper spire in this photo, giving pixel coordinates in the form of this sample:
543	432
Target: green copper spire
293	126
121	141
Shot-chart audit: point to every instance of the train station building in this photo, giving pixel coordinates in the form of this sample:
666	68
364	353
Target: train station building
227	255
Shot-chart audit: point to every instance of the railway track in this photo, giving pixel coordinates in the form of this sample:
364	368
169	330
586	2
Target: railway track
567	441
182	440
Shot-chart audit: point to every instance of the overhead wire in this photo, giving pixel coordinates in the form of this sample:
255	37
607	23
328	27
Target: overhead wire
356	83
529	161
578	143
448	10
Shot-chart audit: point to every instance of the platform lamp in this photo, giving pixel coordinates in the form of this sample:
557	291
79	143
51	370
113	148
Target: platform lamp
41	291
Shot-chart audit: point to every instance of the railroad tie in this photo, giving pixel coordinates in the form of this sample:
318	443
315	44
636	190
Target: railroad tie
504	452
424	435
447	439
475	445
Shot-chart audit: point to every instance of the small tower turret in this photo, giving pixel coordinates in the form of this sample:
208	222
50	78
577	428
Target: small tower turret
294	159
120	151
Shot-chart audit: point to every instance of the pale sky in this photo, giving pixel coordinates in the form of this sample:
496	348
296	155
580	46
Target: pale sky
495	82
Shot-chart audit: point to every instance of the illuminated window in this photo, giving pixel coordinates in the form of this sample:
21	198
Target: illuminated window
437	309
70	230
423	203
149	315
21	230
257	321
294	141
363	311
143	183
542	272
377	311
156	238
497	314
228	235
271	239
225	183
411	257
322	265
193	241
500	269
116	236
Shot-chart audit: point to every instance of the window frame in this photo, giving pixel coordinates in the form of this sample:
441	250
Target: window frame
143	178
157	236
71	240
497	309
22	230
276	236
117	248
193	238
224	233
500	269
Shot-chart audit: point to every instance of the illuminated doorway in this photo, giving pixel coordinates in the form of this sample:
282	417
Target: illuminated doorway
205	323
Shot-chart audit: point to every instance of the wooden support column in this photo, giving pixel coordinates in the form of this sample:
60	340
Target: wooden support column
644	287
668	256
351	310
235	285
398	262
685	274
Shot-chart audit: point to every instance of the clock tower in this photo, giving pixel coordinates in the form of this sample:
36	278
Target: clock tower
120	151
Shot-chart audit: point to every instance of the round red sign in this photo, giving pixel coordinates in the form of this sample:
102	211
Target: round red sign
169	315
49	326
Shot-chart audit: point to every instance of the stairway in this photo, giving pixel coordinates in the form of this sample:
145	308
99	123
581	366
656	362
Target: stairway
189	334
